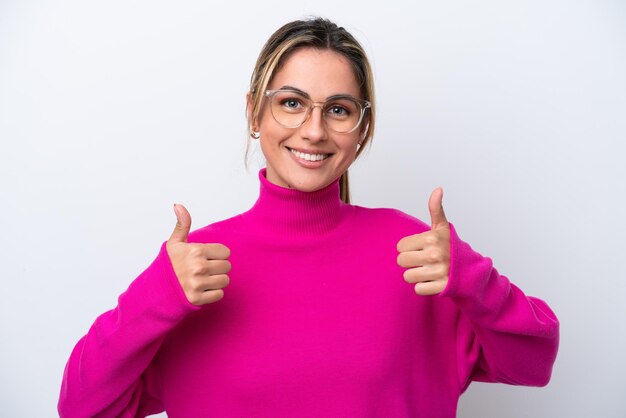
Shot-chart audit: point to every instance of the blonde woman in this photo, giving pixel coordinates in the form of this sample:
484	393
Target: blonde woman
306	305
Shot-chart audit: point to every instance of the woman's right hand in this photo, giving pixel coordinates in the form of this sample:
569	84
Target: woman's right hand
201	268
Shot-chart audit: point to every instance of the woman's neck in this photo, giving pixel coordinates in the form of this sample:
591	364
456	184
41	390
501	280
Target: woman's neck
280	210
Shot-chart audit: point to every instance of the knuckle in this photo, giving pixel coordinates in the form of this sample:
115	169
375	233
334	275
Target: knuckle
216	266
195	251
222	267
225	280
431	239
195	284
408	243
445	271
216	281
419	289
215	295
218	251
193	298
211	267
213	251
197	269
426	289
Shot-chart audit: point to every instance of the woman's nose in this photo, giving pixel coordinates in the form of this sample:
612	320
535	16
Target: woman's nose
314	128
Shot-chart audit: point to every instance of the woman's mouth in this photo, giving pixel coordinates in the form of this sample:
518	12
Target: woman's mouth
309	157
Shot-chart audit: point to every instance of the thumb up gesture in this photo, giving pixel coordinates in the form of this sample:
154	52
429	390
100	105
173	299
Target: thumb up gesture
201	269
427	255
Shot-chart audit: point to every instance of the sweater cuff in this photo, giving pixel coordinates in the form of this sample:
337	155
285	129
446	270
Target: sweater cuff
157	292
172	280
473	283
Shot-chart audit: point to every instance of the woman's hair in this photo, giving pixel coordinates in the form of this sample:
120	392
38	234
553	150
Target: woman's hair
321	34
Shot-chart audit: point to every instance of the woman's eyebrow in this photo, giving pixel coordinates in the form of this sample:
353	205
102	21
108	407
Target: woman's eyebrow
304	93
340	96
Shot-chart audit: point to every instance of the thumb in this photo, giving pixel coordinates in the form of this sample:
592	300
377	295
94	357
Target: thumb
183	224
435	207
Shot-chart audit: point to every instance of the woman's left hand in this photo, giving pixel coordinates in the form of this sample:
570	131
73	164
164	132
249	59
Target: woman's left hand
427	255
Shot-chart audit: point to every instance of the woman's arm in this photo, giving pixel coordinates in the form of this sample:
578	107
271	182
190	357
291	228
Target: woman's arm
502	334
108	372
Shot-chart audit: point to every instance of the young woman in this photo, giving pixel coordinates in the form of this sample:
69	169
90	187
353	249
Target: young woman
306	305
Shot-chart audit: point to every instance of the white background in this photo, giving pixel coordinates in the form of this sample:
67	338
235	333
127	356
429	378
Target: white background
112	111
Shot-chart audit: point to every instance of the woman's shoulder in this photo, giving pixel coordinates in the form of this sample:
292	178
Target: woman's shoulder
215	230
389	218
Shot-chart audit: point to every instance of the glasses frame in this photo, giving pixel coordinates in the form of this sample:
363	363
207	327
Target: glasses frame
363	105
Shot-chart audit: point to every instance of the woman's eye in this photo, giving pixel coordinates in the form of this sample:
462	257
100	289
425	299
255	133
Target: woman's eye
291	103
338	111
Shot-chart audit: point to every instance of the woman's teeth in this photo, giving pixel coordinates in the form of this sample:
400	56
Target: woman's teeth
310	157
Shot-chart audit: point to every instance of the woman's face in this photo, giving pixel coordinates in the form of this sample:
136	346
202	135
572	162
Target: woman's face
321	74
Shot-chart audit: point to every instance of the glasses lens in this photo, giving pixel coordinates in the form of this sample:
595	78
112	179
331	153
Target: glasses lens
290	109
342	114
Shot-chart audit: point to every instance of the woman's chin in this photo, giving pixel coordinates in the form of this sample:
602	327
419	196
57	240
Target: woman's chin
304	180
308	186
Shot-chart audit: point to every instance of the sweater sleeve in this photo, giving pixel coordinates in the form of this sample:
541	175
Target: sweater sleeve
502	334
109	372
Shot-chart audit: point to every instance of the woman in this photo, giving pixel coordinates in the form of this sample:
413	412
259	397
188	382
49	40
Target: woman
318	318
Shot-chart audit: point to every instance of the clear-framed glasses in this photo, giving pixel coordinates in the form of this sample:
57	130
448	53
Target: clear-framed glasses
341	113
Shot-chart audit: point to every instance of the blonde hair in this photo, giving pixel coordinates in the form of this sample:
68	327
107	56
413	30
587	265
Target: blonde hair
317	33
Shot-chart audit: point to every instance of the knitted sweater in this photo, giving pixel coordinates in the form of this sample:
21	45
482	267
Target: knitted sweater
317	321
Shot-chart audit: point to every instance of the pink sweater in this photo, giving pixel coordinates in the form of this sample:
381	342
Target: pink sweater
317	322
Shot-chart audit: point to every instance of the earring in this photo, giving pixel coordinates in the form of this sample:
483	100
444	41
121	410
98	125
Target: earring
255	134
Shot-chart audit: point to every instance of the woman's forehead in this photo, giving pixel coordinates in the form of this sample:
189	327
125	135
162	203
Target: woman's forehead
320	73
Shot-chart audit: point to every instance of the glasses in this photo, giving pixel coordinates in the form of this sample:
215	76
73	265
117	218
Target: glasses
341	113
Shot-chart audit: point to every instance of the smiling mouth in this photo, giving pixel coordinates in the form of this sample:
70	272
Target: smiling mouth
309	157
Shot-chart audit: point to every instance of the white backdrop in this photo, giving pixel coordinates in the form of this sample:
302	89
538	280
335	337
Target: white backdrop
112	111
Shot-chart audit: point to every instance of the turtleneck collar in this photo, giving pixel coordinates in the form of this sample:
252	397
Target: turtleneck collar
280	210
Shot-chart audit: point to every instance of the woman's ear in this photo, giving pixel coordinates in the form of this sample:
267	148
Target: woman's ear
249	109
253	127
364	131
